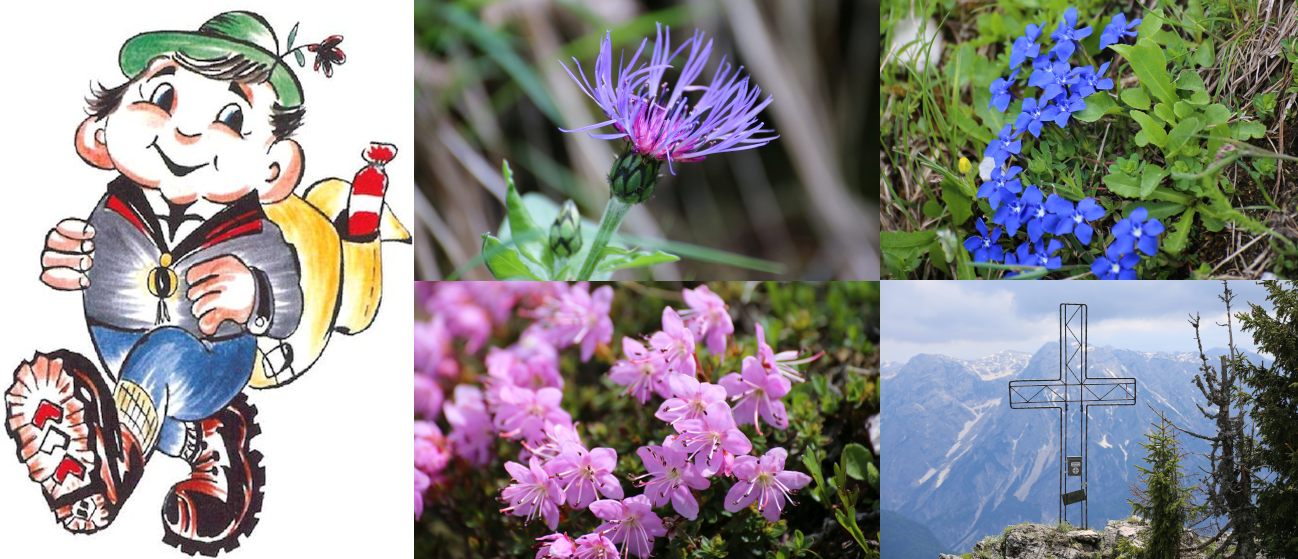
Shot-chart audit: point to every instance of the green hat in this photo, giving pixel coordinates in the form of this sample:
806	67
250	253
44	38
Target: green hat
230	33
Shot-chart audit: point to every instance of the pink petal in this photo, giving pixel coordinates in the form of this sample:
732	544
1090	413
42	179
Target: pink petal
607	509
736	442
793	480
685	504
735	498
745	468
733	383
609	486
774	505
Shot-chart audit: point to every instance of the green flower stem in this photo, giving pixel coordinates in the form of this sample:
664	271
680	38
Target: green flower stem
613	214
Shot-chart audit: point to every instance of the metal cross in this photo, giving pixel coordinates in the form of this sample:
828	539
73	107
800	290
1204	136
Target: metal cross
1073	393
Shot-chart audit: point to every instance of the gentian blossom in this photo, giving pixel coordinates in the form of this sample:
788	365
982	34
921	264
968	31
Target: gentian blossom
711	438
640	370
765	481
676	343
1067	35
1118	29
1002	184
524	414
1000	90
690	398
1115	265
584	476
575	317
630	522
1088	80
1137	232
1005	145
1066	218
1035	114
1067	107
708	318
673	478
1017	211
657	119
1040	254
1025	47
983	245
471	430
757	392
533	492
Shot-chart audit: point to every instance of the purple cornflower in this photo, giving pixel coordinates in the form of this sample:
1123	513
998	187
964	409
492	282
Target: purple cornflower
471	430
757	392
1035	114
1135	233
676	343
1067	35
1025	47
657	119
1117	29
1115	265
1066	218
575	317
673	478
711	438
708	318
690	398
630	522
765	481
640	371
584	476
782	363
524	414
533	492
1000	90
1003	182
983	245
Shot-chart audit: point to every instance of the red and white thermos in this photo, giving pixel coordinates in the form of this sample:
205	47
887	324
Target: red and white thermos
365	204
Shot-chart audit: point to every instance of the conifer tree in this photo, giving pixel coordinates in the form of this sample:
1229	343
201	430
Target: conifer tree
1274	401
1163	501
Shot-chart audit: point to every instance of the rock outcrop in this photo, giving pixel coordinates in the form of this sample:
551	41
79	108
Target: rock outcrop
1121	539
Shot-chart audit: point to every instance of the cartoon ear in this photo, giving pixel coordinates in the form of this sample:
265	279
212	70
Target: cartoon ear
284	171
91	145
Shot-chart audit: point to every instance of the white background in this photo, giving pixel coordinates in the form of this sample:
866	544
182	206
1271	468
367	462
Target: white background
337	442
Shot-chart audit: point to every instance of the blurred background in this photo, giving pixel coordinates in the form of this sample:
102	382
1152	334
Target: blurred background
489	87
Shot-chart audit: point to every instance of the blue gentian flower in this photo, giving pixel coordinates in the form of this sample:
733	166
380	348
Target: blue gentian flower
1088	80
1002	185
1117	29
1115	265
1034	114
983	246
1025	47
1043	70
1137	232
1067	35
1017	211
1040	254
1067	107
1064	80
1001	92
1003	146
1066	218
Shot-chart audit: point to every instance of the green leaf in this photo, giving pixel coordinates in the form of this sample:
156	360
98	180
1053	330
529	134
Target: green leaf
1150	178
1151	131
618	258
505	262
957	202
529	237
292	35
902	249
1122	184
856	458
1097	106
1175	242
1150	65
301	58
1164	111
1136	98
1189	80
1180	135
1248	130
1215	114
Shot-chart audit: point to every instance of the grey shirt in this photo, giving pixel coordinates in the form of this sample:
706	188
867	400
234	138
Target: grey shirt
131	239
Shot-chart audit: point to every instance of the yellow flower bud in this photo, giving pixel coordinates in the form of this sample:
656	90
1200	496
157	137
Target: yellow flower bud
964	165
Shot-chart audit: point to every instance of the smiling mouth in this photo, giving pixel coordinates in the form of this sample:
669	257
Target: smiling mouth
175	168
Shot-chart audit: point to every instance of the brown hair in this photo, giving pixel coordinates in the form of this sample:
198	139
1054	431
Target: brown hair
236	68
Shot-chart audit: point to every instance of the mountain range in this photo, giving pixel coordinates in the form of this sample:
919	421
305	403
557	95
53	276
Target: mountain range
959	464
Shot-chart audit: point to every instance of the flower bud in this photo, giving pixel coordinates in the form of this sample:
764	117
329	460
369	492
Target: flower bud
633	177
565	232
964	165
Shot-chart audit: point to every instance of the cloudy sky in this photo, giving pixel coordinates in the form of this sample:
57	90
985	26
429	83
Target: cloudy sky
970	319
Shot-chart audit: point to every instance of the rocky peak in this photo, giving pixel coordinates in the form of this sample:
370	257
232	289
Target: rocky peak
1120	539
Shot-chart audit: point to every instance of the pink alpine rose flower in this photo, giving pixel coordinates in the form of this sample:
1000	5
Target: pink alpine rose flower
421	486
533	492
524	414
557	546
710	439
471	430
640	371
630	522
676	342
559	439
585	476
758	392
765	481
576	317
708	318
428	397
690	398
673	478
531	363
595	546
783	362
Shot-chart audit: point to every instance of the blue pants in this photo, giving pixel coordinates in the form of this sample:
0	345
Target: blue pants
187	378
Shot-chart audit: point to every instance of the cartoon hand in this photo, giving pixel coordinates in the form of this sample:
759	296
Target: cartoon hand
67	255
222	288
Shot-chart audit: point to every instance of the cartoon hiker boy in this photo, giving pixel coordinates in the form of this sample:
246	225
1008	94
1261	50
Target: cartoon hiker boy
180	271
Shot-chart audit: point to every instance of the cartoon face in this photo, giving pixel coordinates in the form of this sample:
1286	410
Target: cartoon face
194	137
